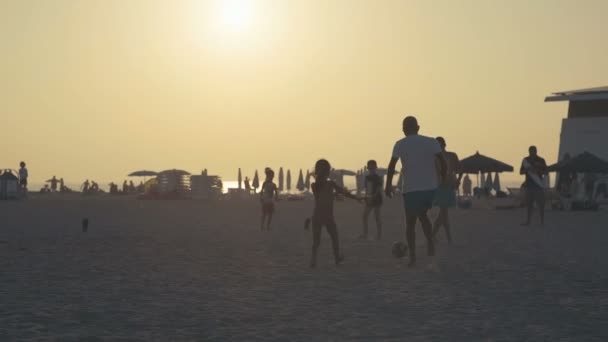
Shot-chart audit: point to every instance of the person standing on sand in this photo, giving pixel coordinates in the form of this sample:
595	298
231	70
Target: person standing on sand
420	156
446	193
467	186
324	191
535	169
23	175
373	199
268	195
54	182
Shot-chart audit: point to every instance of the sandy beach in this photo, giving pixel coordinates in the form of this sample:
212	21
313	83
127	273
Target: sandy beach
195	270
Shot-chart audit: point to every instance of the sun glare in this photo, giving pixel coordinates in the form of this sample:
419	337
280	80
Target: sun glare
235	16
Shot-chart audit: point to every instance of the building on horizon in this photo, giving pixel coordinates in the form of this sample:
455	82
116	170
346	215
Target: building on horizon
586	127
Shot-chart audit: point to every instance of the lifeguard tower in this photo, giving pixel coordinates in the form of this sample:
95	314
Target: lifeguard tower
586	127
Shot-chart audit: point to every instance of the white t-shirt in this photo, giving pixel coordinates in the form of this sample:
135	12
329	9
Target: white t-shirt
417	155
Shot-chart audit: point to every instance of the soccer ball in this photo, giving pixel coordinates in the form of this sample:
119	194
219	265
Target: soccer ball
399	249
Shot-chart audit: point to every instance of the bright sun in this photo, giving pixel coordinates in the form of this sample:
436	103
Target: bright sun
235	16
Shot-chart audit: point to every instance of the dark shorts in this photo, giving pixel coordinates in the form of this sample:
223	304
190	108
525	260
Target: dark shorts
535	195
445	197
267	208
23	182
417	203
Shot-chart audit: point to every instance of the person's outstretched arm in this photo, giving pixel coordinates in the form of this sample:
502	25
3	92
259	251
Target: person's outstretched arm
388	190
345	193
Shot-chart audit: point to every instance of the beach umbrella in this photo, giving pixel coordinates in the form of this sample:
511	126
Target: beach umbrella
174	172
288	180
582	163
240	179
256	181
281	180
300	185
483	181
480	163
496	184
142	173
307	181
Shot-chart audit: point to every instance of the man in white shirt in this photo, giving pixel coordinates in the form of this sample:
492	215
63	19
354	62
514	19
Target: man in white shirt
420	156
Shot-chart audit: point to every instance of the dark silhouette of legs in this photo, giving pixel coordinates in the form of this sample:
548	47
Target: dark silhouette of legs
427	228
377	213
332	230
443	219
316	241
366	212
410	235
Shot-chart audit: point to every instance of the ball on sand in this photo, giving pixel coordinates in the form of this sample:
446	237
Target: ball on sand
399	249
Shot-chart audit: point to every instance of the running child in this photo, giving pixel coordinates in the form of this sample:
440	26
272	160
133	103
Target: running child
324	191
268	195
373	199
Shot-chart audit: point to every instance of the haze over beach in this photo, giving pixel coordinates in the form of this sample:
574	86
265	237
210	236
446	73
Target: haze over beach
132	131
97	89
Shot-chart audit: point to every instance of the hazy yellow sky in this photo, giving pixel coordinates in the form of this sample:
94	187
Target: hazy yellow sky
99	88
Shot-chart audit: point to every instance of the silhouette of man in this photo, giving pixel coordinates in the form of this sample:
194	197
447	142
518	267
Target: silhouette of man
535	169
419	157
446	193
54	182
23	175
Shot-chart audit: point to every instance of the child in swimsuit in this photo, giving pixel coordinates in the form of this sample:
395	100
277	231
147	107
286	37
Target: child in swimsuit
268	195
324	191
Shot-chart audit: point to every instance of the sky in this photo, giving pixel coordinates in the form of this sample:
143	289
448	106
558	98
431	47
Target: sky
95	89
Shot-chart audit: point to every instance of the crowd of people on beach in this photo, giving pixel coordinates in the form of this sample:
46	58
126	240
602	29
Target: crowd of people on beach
431	176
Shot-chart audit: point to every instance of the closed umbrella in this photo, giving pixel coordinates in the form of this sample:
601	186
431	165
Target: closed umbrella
307	181
281	179
240	179
300	185
488	184
288	180
256	181
496	182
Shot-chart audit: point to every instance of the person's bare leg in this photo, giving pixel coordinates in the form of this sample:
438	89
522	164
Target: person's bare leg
446	224
427	228
410	235
378	214
541	208
366	212
316	241
269	221
332	230
530	209
439	221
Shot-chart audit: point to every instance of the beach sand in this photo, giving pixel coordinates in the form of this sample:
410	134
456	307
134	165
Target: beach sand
195	270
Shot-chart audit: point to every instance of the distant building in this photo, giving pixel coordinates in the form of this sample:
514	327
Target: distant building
586	127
